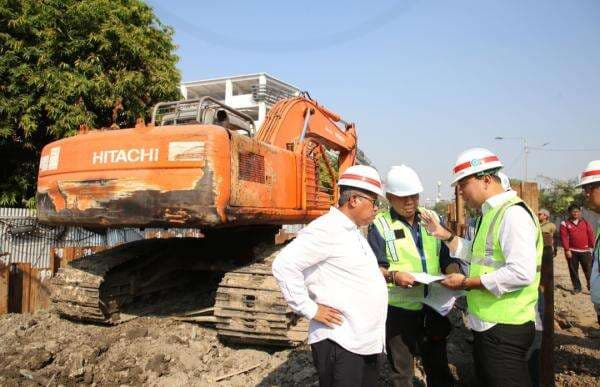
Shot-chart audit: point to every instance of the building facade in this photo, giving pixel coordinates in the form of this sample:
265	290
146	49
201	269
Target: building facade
253	94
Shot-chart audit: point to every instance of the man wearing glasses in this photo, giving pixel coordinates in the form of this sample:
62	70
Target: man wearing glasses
329	274
402	246
504	261
590	182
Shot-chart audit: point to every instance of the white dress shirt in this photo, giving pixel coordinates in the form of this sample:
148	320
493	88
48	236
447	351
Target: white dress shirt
518	236
331	263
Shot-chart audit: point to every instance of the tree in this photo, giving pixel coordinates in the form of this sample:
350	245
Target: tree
557	197
441	207
64	63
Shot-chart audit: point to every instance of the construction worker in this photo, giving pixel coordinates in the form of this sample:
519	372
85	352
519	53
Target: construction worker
590	182
504	261
402	246
329	274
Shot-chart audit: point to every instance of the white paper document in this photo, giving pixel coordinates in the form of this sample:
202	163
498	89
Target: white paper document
442	299
426	278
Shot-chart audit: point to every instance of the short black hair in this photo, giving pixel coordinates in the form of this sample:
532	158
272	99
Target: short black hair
573	207
490	172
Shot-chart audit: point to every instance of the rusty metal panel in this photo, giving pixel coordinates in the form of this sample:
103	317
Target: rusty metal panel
25	271
4	286
19	287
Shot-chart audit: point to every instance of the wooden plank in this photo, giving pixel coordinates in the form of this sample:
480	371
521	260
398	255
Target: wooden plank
4	286
25	269
40	291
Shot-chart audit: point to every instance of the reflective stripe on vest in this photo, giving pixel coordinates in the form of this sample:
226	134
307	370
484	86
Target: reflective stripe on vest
389	237
515	307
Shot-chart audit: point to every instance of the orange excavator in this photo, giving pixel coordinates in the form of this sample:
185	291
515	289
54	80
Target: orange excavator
198	165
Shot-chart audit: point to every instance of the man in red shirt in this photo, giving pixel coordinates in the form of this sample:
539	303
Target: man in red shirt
577	238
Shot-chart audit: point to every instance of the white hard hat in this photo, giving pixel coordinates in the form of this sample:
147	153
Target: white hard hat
473	161
591	174
403	181
362	176
505	181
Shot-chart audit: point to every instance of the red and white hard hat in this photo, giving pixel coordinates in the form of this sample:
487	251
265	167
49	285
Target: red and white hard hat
473	161
591	174
362	176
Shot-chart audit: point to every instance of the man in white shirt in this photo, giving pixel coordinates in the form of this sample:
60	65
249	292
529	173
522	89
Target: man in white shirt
330	275
504	261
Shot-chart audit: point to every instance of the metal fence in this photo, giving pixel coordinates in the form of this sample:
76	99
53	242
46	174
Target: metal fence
24	240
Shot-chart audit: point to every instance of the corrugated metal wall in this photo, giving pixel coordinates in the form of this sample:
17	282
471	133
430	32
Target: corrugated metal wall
24	240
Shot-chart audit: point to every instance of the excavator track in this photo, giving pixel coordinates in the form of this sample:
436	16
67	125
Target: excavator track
251	309
95	288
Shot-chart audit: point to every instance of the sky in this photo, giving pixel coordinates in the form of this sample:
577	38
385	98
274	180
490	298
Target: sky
422	80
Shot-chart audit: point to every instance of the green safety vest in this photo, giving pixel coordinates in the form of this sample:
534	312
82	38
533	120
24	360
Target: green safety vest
516	307
402	255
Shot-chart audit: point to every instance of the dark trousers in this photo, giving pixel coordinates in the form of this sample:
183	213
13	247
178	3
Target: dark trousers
338	367
500	355
585	258
422	332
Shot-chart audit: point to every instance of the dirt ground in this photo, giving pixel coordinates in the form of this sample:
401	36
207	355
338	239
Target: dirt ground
42	349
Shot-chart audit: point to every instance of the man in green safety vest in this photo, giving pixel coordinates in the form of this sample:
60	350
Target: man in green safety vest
402	246
504	269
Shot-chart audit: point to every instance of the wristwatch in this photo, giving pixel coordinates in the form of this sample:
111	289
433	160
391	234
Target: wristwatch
452	235
463	284
391	277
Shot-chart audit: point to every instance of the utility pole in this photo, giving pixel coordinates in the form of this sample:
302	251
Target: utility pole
525	151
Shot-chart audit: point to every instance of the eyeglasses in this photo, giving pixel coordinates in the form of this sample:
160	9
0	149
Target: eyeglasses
462	183
374	202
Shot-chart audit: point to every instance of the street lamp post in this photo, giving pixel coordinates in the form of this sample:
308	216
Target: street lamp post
525	151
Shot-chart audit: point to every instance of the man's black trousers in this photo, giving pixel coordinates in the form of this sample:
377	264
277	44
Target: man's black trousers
500	355
338	367
585	258
424	333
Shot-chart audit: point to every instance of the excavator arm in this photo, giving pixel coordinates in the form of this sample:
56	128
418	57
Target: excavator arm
291	122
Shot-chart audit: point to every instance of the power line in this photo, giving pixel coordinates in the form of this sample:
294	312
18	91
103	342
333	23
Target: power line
565	149
514	162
